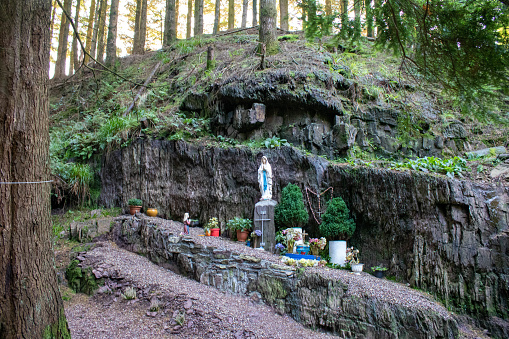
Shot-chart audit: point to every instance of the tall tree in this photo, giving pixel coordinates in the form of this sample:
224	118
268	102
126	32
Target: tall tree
231	14
53	15
111	45
93	47
369	18
198	17
189	33
90	30
245	5
255	12
170	23
101	31
140	27
217	16
328	7
74	61
357	28
268	21
62	42
30	301
283	14
344	18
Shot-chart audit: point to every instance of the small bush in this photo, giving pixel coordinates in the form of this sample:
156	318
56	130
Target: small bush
291	212
336	222
135	202
239	224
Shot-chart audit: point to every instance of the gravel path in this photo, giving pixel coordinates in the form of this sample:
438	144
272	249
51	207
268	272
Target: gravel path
209	313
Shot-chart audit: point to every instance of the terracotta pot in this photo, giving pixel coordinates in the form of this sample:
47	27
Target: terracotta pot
242	235
214	232
207	232
151	212
134	209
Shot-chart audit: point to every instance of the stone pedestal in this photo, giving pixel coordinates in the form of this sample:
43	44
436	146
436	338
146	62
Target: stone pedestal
264	221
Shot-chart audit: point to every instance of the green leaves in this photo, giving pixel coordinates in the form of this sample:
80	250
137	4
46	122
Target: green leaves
291	211
449	167
336	222
239	224
275	142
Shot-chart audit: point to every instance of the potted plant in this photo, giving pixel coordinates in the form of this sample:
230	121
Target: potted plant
337	227
241	226
134	206
317	245
378	271
256	235
213	226
352	257
291	211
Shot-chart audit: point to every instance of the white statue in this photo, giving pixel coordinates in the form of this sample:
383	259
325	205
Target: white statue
265	179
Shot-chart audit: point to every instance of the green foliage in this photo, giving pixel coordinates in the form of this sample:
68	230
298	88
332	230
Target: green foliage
129	293
135	202
239	224
79	279
289	37
449	167
275	142
291	211
336	222
379	268
316	23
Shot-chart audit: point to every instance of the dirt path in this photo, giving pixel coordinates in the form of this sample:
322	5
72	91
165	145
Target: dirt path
187	309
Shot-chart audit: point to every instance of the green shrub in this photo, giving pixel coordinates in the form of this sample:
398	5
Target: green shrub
239	224
135	202
336	222
291	212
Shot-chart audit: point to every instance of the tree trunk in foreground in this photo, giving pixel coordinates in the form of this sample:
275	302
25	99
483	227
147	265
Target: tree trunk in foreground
30	302
268	20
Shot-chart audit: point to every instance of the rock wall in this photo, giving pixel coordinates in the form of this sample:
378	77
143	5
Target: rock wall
314	300
449	237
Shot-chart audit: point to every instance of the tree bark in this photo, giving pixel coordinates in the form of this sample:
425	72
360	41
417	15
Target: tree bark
101	30
111	45
189	33
255	13
30	301
231	14
170	23
93	47
74	62
268	20
217	16
357	23
90	30
369	18
283	14
245	5
143	26
140	27
198	17
177	7
344	18
53	15
62	42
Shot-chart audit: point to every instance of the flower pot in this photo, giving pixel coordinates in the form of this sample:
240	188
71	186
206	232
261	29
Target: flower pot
242	235
379	274
337	252
315	251
151	212
357	268
214	232
134	209
207	232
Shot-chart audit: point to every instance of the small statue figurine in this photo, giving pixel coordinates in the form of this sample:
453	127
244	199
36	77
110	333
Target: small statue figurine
187	222
265	179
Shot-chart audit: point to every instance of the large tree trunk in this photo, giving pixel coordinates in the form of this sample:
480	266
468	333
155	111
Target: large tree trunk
189	33
111	45
30	301
102	29
217	16
198	17
93	47
90	30
74	61
268	20
255	13
170	23
231	14
357	28
245	5
344	18
143	27
137	47
283	14
369	18
62	42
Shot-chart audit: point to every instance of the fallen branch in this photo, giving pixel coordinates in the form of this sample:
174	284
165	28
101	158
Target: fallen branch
145	85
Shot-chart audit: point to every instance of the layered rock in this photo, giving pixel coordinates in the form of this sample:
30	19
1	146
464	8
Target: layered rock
449	237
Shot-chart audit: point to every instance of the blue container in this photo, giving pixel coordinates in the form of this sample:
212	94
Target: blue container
301	256
302	249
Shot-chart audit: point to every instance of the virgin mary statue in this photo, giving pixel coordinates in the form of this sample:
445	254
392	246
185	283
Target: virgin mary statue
265	179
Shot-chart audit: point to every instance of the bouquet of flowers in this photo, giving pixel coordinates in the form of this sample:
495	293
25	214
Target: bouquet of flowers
352	256
291	236
317	245
256	233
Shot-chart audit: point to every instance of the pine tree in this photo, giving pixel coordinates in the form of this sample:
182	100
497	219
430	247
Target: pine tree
357	22
170	23
101	30
291	211
140	27
336	222
231	14
369	18
245	5
111	45
62	42
217	16
283	14
90	30
255	12
74	61
189	33
198	17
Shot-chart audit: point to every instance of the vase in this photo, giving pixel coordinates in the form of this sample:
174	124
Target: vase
290	248
337	252
214	232
134	209
315	251
151	212
207	232
242	235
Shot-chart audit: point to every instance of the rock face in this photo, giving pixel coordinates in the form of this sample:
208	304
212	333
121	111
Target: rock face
448	237
313	299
